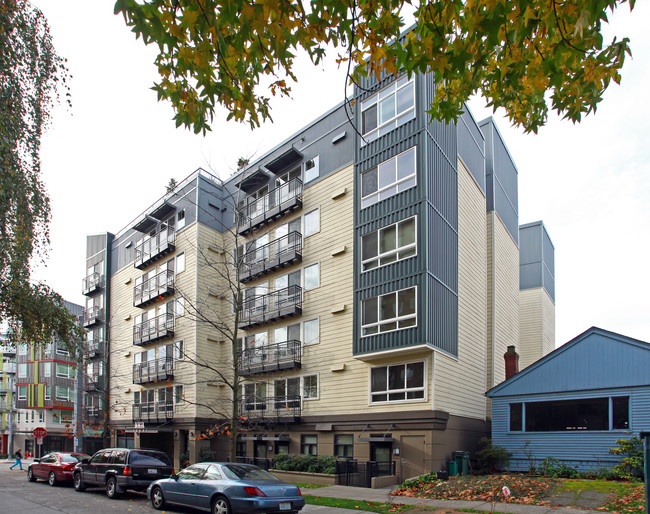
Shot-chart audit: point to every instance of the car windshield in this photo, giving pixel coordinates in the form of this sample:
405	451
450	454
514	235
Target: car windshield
149	459
73	458
238	472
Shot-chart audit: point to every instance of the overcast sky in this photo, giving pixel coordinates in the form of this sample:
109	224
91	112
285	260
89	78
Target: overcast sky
112	154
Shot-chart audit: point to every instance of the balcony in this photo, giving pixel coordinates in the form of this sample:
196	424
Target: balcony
93	414
154	247
153	329
93	316
94	348
280	304
149	291
272	206
93	383
153	371
153	411
286	355
9	367
277	254
92	283
272	408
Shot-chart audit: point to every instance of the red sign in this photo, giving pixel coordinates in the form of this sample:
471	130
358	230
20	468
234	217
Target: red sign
40	432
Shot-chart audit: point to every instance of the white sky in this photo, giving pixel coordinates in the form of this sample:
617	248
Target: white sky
110	156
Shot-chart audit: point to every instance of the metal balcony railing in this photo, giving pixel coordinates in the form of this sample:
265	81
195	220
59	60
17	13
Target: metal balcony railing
93	383
277	408
92	283
93	316
277	254
93	413
9	367
153	411
160	285
286	355
258	212
154	329
269	307
94	347
154	370
154	247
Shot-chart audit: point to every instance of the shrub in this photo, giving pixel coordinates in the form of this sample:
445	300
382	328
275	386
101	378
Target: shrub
631	465
492	457
553	468
305	463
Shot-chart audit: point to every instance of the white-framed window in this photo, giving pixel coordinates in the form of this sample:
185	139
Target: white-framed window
392	311
389	244
180	219
310	387
310	331
22	370
33	416
388	178
64	393
180	307
311	169
255	396
180	263
287	392
62	416
41	416
388	109
398	382
22	392
312	222
22	349
179	351
311	276
47	392
309	444
64	370
61	348
179	395
47	369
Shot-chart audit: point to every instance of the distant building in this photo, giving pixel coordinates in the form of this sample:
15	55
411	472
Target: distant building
7	393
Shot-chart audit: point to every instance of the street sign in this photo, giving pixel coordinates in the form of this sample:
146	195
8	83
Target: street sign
39	433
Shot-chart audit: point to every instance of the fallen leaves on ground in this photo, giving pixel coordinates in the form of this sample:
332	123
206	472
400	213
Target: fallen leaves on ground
633	502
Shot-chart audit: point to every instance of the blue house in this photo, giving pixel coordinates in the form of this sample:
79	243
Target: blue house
575	402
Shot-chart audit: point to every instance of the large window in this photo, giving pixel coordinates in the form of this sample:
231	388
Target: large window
312	223
571	415
391	107
311	277
389	244
310	331
309	444
397	383
22	392
310	387
392	311
344	446
388	178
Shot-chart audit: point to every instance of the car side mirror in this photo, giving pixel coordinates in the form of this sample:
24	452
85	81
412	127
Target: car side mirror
37	460
85	461
174	476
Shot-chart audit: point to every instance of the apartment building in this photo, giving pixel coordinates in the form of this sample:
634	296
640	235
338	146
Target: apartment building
7	394
379	267
46	394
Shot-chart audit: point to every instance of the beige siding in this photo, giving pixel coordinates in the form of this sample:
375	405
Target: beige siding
536	325
460	383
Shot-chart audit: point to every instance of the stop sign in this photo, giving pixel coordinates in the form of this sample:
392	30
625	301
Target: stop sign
40	432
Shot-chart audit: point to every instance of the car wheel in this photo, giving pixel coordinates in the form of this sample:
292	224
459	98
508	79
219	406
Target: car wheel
78	482
111	488
157	498
51	479
30	475
221	505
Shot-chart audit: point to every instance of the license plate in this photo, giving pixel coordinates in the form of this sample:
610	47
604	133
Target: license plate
285	506
152	471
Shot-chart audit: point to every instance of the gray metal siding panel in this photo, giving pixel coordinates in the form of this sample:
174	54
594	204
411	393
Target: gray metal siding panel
530	244
442	316
471	147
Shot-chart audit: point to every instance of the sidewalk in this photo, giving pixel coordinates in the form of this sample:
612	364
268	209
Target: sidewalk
578	505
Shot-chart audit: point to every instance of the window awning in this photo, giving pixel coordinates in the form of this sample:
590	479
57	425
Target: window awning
283	161
162	211
145	224
253	181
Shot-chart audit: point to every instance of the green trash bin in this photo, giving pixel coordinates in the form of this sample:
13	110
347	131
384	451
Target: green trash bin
462	462
452	468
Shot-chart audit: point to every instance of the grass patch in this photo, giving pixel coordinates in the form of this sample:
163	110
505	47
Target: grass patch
342	503
304	485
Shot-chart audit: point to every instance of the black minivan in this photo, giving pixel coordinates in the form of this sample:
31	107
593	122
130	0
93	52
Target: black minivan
119	469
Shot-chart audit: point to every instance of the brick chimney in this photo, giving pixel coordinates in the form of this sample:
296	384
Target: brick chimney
512	362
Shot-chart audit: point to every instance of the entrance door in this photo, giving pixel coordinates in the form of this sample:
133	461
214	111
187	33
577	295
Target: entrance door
381	453
412	457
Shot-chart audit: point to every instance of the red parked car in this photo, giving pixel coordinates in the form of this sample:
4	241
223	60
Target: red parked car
54	467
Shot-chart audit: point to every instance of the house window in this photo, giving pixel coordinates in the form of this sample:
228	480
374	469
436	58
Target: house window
179	352
311	277
47	391
575	415
64	393
388	109
397	383
392	311
282	447
388	178
179	396
180	263
180	219
309	444
64	371
310	387
310	331
312	222
344	446
620	413
180	307
22	392
47	369
41	416
287	393
22	349
22	370
255	396
311	169
61	348
390	244
516	417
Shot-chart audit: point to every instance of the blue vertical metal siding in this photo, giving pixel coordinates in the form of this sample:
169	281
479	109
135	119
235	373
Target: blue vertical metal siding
471	147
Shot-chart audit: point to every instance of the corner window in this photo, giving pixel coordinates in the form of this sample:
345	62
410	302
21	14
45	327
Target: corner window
180	219
310	332
179	351
311	169
397	383
312	222
389	244
388	178
310	387
179	395
180	263
180	307
309	444
388	312
388	109
311	277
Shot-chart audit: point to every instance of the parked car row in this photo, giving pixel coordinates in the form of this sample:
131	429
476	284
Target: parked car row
217	487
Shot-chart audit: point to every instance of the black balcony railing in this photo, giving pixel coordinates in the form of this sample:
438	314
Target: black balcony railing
93	316
92	283
258	212
280	304
153	411
93	383
154	370
277	254
158	286
275	408
154	247
94	347
286	355
153	329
